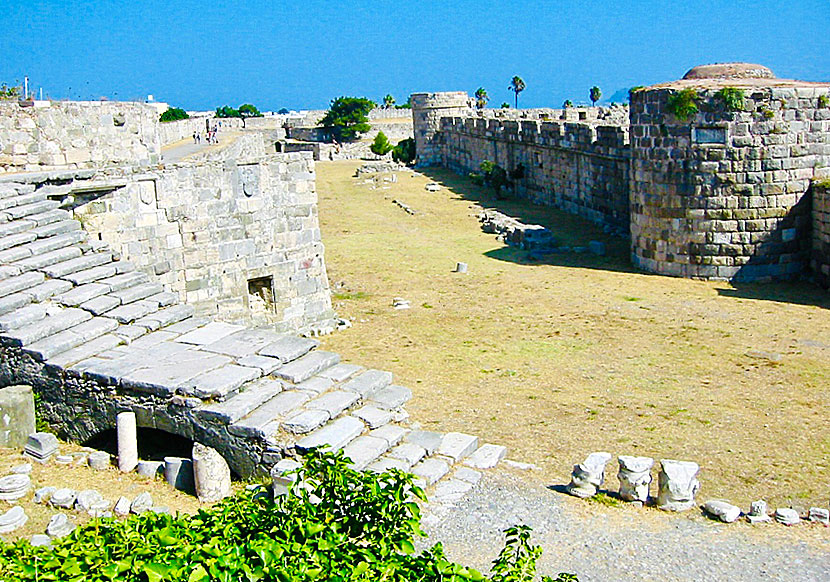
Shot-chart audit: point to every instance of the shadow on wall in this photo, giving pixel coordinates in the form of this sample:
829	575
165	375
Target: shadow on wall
568	230
153	444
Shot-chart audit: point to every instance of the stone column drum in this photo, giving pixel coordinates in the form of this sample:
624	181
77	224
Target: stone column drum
678	485
588	476
211	474
127	441
17	416
635	477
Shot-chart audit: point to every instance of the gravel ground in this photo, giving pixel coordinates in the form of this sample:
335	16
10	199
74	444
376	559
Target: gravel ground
599	543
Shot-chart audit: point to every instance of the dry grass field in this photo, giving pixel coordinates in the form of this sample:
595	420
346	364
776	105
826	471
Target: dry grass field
577	353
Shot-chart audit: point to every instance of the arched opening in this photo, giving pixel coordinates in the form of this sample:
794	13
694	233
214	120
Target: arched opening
153	444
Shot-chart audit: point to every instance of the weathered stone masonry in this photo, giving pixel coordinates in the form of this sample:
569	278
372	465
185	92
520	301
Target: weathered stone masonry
722	195
820	262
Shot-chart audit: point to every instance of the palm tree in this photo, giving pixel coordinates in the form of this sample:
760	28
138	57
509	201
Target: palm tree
517	85
481	98
388	101
596	93
567	103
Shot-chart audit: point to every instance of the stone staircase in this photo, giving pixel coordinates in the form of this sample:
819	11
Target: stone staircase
78	314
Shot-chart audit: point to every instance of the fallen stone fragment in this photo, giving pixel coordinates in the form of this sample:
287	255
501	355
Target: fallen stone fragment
63	497
122	507
59	526
588	476
98	460
722	510
14	486
178	472
41	446
820	515
486	456
13	519
635	477
23	469
149	469
758	512
787	516
40	540
142	502
87	499
678	485
43	494
211	474
63	459
284	475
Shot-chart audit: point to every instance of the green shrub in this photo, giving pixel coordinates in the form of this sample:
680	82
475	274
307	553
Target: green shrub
823	101
341	525
173	114
476	178
227	111
683	104
381	145
732	98
347	117
404	152
494	176
248	110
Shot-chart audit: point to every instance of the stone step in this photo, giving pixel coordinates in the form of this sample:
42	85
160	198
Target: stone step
430	470
20	283
391	397
92	275
133	311
14	301
100	305
334	403
49	217
428	439
289	348
51	325
14	227
408	453
125	280
341	372
49	258
392	433
47	289
254	395
335	435
14	254
31	209
53	243
13	240
265	420
308	365
22	316
166	316
7	271
165	298
210	333
56	228
364	450
70	338
79	264
305	421
21	200
161	372
486	456
82	294
220	383
84	351
386	463
137	292
457	445
373	416
368	383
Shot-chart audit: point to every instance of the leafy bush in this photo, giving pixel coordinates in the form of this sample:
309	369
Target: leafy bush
404	152
173	114
341	525
505	105
381	145
823	101
227	111
494	175
683	104
567	103
732	98
476	178
248	110
7	92
348	117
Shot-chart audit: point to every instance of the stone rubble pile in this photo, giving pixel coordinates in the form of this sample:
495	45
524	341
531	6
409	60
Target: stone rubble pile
530	237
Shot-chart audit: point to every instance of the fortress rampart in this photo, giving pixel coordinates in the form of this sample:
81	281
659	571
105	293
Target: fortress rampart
725	192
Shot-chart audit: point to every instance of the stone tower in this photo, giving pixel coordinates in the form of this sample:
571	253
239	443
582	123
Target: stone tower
427	111
721	172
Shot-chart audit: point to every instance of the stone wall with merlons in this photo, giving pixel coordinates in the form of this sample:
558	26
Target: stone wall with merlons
47	135
820	262
579	167
206	229
726	194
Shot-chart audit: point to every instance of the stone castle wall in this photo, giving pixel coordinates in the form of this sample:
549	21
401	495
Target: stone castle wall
238	239
46	135
579	167
820	260
725	194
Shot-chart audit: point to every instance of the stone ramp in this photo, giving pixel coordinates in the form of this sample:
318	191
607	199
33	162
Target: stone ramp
96	337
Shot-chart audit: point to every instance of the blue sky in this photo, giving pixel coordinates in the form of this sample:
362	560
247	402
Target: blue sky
302	54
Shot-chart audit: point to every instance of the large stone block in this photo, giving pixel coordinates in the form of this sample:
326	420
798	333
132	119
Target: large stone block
17	416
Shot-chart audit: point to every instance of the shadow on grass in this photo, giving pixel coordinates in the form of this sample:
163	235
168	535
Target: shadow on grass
568	229
798	292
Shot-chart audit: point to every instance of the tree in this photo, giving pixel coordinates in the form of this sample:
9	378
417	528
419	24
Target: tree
381	145
596	93
567	103
505	105
173	114
517	85
227	111
404	152
248	110
283	111
388	101
348	117
481	98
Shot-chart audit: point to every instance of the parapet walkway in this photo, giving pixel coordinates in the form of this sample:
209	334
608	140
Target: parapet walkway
96	336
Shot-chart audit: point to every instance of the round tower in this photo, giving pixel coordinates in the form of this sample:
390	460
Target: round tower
722	164
427	111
